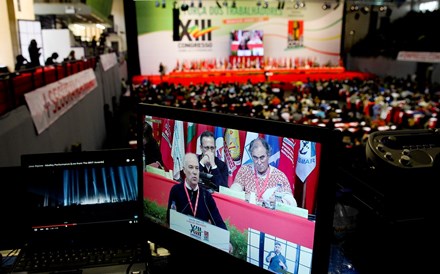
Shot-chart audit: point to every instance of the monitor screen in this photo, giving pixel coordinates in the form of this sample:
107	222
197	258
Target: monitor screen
258	191
247	43
75	191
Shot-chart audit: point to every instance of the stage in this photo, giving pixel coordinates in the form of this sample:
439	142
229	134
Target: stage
278	75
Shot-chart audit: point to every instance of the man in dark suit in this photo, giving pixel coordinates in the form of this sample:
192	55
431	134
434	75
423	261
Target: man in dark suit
209	164
190	199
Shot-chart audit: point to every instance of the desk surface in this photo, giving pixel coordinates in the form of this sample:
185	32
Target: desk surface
241	214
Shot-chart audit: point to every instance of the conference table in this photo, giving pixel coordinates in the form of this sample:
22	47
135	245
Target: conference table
284	75
239	213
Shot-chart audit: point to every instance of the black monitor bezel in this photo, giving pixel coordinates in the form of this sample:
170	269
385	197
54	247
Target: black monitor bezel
325	193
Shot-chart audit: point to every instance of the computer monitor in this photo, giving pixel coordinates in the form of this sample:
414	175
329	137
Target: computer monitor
68	193
256	225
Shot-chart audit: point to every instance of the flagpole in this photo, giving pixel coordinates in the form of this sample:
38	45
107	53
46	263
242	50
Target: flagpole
304	194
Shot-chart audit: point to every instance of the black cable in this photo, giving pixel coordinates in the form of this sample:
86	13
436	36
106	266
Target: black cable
207	208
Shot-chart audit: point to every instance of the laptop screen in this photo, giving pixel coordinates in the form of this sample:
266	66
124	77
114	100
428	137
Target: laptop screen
82	191
271	184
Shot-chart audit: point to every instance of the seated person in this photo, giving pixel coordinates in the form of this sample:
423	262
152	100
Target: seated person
21	63
211	164
52	60
261	179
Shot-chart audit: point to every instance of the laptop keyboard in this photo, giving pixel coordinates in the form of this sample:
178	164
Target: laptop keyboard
75	258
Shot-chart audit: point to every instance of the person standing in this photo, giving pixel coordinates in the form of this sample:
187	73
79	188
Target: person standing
211	164
34	53
261	179
276	260
190	199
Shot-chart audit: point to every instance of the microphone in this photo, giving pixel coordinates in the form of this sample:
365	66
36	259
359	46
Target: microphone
207	208
205	176
206	180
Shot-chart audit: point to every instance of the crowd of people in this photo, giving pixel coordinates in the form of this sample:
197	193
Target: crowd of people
356	107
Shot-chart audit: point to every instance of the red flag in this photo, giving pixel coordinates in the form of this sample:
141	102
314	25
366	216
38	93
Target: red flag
166	143
286	163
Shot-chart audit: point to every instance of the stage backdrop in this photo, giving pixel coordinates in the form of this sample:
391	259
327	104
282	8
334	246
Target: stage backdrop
296	36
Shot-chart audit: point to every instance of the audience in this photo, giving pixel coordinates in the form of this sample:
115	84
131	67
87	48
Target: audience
355	107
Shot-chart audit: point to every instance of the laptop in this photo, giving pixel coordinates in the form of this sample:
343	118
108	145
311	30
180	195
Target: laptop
86	208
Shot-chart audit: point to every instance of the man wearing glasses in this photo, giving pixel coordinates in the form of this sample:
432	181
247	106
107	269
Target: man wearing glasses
262	181
213	171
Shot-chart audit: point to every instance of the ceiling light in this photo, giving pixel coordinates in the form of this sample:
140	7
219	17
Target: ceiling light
365	10
354	7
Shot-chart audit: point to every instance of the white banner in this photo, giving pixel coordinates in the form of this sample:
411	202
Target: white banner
200	230
48	103
416	56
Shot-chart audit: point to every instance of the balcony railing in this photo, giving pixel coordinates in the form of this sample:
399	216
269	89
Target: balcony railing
14	85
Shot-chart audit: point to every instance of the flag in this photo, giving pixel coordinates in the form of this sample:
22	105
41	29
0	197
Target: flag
219	143
247	159
286	163
306	161
274	144
178	149
191	140
166	142
232	152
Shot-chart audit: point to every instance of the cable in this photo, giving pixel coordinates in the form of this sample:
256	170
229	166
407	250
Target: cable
207	208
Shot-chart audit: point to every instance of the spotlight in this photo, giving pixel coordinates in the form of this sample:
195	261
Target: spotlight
382	8
365	10
354	8
266	4
184	7
326	6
